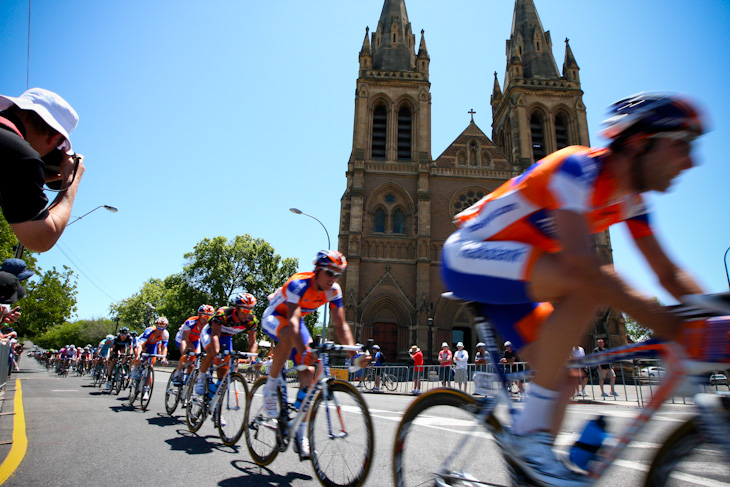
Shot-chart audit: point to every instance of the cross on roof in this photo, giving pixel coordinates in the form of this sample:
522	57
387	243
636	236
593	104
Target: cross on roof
471	112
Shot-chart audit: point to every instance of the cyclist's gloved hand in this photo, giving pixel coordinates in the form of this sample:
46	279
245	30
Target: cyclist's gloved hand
359	362
309	357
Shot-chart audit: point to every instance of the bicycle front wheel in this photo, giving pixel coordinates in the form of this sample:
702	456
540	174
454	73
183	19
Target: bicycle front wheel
261	429
195	409
686	457
149	384
172	395
133	391
232	410
341	436
460	448
368	380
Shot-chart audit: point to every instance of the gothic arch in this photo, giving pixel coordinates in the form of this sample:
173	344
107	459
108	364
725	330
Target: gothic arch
562	124
465	197
538	132
379	122
386	306
391	197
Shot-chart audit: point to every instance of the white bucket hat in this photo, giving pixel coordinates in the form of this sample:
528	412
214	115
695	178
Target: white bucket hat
53	109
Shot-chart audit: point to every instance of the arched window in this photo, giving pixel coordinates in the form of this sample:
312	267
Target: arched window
404	133
473	159
380	126
561	131
537	128
398	222
379	221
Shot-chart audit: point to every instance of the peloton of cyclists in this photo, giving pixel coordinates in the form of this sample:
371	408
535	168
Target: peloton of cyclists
121	345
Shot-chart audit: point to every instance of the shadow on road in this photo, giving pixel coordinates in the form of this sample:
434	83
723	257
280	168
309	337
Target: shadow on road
164	420
198	445
261	476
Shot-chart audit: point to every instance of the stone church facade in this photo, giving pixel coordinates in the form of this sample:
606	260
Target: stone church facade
399	204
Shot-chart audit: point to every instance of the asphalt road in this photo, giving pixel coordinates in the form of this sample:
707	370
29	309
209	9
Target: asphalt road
79	436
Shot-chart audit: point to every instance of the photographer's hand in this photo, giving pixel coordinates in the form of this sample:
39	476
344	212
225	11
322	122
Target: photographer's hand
68	165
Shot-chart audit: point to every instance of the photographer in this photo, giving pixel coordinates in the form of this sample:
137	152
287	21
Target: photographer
34	130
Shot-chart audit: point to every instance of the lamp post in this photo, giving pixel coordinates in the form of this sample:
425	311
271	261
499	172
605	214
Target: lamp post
429	321
724	259
113	209
300	212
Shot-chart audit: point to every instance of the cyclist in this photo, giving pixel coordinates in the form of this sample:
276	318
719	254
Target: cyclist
227	321
283	321
529	244
121	344
188	337
154	341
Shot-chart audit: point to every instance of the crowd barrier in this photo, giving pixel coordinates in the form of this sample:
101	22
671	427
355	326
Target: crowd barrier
631	384
4	363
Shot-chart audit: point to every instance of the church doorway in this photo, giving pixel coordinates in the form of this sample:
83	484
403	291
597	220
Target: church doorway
386	336
463	334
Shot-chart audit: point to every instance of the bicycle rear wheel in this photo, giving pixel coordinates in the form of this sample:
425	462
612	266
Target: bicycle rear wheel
341	437
172	395
149	385
460	447
368	380
390	382
232	410
261	429
196	408
686	457
118	380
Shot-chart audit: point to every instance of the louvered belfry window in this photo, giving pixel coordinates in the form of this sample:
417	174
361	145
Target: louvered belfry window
561	131
405	124
537	128
380	129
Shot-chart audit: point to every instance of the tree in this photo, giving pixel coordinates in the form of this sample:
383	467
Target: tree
50	301
8	241
635	330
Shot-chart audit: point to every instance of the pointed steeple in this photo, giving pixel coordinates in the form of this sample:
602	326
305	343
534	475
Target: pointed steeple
393	42
366	58
570	67
423	58
531	43
496	92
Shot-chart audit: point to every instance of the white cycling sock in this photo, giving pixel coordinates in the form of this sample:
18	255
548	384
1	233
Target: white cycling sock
302	431
538	412
271	384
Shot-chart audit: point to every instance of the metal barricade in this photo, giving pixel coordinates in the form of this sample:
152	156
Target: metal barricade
4	363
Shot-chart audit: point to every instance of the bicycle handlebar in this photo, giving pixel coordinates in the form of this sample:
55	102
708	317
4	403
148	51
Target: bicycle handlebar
156	355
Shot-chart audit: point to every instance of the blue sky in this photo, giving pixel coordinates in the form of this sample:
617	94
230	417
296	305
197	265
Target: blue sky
201	119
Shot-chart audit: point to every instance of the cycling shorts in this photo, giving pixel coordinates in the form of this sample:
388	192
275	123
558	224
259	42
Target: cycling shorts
495	274
274	322
226	341
192	344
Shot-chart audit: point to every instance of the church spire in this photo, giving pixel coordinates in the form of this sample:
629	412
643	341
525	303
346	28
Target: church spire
530	44
393	42
570	67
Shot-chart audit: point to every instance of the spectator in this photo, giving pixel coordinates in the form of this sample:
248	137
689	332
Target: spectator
605	370
445	364
461	358
509	359
378	359
33	126
417	357
580	375
482	356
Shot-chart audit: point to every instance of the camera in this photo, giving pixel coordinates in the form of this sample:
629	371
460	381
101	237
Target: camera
52	162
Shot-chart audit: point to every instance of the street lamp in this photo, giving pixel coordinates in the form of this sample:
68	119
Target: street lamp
724	259
113	209
300	212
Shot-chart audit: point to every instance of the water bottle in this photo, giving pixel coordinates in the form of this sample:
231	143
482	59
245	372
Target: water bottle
584	450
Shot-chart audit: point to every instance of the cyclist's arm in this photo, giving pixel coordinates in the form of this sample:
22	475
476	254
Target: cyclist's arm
579	268
253	345
671	277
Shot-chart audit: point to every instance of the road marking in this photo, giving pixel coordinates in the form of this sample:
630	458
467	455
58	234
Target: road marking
20	441
64	390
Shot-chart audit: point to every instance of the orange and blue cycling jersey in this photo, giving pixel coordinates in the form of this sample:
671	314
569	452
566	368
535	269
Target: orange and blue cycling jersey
150	340
229	323
490	258
192	326
297	290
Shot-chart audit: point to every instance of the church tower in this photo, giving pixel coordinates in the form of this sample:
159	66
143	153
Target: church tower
399	204
540	111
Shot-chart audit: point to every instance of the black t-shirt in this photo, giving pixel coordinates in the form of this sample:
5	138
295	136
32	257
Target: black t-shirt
603	366
120	343
21	176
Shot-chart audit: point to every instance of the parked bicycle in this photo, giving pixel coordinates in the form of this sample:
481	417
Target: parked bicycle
225	399
466	456
387	381
339	426
142	385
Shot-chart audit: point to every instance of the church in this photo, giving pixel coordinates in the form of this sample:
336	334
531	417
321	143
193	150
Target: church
400	201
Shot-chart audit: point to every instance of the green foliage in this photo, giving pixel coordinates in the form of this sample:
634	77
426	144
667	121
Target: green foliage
8	240
214	272
635	330
79	333
50	301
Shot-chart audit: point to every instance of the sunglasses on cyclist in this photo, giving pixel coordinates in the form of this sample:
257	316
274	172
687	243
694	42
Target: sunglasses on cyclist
331	273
